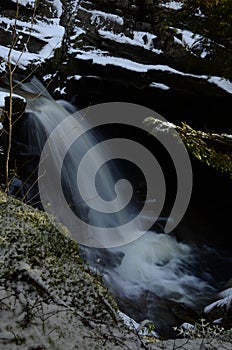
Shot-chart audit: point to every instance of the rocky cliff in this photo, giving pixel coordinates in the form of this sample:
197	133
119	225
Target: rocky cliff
139	51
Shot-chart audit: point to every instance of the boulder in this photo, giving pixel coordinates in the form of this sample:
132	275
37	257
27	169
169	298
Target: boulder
166	315
220	310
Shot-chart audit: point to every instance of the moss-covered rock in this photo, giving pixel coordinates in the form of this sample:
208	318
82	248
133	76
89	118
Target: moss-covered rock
47	299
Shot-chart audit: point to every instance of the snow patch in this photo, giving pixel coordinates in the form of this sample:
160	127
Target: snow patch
142	39
25	2
97	16
47	77
77	32
58	5
135	326
107	17
2	67
101	57
2	104
225	84
199	13
60	90
190	40
226	293
77	77
188	37
159	86
173	5
225	301
4	94
49	31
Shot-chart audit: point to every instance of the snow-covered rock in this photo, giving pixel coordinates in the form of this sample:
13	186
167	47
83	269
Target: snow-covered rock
47	299
220	310
90	35
31	38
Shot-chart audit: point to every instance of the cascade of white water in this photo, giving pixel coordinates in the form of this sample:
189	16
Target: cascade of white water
154	262
44	115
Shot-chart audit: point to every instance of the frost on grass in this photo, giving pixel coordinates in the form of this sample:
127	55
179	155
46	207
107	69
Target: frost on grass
47	299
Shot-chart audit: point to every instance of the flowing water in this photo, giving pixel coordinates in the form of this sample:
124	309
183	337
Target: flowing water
156	262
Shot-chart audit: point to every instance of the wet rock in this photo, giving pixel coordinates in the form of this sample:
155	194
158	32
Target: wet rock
220	310
165	314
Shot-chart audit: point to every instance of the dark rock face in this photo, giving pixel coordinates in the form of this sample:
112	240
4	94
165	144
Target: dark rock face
166	314
124	52
133	51
24	159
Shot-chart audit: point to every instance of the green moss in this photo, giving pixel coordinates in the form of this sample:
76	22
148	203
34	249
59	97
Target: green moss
29	238
46	295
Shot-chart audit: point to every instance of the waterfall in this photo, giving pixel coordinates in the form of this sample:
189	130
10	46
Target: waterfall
153	262
44	115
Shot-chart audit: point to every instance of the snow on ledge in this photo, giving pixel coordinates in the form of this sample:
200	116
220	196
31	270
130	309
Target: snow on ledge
190	40
97	15
102	58
142	39
173	5
4	94
51	33
107	16
56	3
77	77
2	103
224	84
25	2
159	86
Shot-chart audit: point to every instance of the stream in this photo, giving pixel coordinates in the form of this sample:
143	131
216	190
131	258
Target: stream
166	278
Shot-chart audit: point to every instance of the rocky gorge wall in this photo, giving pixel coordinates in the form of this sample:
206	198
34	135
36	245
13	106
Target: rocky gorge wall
137	51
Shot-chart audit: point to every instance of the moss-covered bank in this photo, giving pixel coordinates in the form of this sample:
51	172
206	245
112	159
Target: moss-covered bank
47	299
